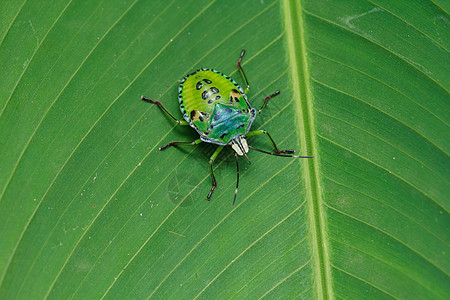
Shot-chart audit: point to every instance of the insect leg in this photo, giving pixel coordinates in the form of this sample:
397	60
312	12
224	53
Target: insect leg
266	100
180	122
197	141
259	132
211	160
238	64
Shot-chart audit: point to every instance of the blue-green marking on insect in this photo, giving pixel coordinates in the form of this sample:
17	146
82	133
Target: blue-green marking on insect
217	107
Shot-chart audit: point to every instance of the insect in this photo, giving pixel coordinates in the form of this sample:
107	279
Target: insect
217	107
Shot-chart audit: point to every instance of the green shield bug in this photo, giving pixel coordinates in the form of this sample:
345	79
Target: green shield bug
217	108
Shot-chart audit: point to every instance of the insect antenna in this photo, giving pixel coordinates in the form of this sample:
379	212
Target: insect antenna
277	154
245	154
237	177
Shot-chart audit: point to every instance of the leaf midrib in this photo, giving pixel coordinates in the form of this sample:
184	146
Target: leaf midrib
294	28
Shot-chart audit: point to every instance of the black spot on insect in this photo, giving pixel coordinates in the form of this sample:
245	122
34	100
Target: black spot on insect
207	81
228	110
240	126
205	95
216	117
199	85
217	97
214	90
201	119
192	114
234	95
210	101
222	136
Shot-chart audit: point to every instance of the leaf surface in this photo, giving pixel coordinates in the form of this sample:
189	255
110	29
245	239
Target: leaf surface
89	208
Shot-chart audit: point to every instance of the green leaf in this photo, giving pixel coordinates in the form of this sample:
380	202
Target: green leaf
89	207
